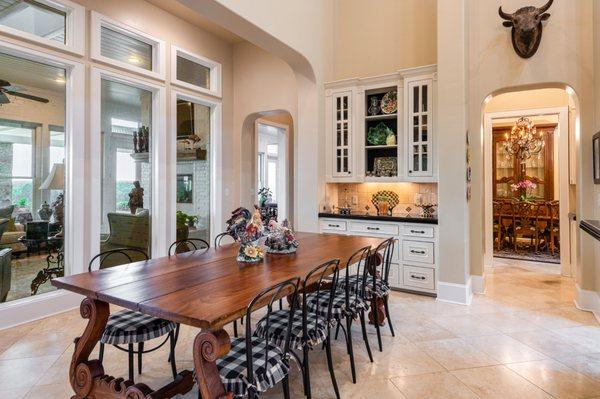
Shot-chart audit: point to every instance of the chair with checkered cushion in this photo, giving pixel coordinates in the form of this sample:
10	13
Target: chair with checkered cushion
253	364
348	302
127	327
376	287
307	329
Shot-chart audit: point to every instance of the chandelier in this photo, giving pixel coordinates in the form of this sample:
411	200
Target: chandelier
523	141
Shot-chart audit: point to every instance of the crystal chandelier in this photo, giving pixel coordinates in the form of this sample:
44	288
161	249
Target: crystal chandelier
523	141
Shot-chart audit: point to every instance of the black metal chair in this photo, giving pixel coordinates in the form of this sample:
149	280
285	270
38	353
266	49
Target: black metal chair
308	329
253	364
130	327
188	245
348	302
220	237
376	286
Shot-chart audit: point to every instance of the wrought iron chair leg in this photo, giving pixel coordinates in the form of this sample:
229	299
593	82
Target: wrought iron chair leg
377	327
337	330
235	331
306	372
350	348
286	387
387	314
363	325
101	352
140	353
330	365
172	344
130	353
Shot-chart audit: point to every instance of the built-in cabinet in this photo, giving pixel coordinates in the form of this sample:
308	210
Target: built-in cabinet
414	261
351	106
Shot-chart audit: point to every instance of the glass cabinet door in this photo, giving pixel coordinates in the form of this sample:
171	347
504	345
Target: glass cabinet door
419	128
342	137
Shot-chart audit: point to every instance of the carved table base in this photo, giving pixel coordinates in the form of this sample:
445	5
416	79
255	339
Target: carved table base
208	347
377	306
87	376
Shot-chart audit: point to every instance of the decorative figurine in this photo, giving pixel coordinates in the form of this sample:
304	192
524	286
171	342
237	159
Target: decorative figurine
280	238
136	147
136	197
247	229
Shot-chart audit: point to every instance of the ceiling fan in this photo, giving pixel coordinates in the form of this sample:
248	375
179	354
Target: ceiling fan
7	88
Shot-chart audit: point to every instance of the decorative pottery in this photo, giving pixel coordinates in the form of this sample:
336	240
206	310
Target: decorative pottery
385	166
390	198
45	211
374	109
280	238
378	135
389	102
391	139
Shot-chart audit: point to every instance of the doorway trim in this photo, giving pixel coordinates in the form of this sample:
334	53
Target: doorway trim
282	210
563	180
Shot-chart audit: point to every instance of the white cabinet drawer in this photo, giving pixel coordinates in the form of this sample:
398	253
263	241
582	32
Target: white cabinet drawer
394	277
417	251
333	225
374	228
414	230
418	277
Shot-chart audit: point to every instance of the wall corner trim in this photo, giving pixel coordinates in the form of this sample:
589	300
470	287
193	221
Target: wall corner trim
460	294
588	301
38	307
478	284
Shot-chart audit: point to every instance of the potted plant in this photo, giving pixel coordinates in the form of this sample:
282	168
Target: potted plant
264	195
191	221
525	189
183	229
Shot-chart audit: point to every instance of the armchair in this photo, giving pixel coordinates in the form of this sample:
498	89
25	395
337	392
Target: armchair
5	273
127	231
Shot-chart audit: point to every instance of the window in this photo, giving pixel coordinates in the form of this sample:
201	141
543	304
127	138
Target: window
16	169
260	172
56	23
126	47
195	72
272	176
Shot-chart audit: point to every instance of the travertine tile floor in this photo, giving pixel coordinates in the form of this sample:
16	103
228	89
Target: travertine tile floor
522	339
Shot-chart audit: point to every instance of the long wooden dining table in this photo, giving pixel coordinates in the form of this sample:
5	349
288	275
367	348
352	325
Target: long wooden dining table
205	290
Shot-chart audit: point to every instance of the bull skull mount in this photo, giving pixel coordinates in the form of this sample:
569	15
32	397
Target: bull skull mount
526	24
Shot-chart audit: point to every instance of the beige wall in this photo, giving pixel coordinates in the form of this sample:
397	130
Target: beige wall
528	99
565	57
381	36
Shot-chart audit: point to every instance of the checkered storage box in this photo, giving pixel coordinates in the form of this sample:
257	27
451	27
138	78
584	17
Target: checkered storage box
317	328
129	327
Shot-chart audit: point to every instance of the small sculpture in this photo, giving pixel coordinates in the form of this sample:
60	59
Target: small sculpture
247	228
526	24
136	197
281	238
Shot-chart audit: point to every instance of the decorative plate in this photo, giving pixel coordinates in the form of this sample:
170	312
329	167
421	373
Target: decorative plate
389	102
385	166
378	135
385	195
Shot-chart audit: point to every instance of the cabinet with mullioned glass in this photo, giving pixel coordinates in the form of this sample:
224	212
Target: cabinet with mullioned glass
340	136
419	127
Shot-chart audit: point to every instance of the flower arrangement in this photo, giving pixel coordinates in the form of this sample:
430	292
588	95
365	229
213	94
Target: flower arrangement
280	238
525	187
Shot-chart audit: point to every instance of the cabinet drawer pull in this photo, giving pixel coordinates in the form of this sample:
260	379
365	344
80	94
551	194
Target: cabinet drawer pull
372	228
418	277
414	251
333	225
417	231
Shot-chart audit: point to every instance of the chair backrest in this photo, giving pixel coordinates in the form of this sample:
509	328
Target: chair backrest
380	261
554	211
188	245
128	255
219	238
131	231
316	278
360	261
525	212
36	230
5	272
267	298
3	225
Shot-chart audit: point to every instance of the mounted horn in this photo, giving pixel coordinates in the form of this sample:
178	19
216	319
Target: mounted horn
506	16
545	8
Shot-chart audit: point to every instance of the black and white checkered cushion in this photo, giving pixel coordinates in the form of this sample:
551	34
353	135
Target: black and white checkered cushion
319	302
233	367
316	329
129	327
381	287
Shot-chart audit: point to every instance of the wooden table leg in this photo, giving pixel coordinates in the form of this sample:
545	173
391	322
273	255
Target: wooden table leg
377	306
87	376
208	347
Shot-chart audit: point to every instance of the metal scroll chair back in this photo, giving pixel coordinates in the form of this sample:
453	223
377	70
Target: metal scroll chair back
219	238
327	272
355	288
380	262
267	298
129	255
188	245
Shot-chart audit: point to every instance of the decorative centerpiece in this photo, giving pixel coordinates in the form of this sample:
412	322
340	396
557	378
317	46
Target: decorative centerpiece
385	202
426	201
247	229
525	189
280	238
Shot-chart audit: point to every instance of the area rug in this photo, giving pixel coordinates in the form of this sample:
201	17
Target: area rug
24	271
531	256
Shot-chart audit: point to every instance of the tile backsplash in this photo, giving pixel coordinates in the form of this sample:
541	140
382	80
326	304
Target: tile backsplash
338	194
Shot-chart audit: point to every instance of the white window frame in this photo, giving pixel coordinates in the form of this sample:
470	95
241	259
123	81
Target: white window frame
158	46
74	28
75	248
158	213
216	180
214	66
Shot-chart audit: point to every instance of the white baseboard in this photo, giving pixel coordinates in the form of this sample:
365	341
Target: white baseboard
588	301
461	294
478	284
37	307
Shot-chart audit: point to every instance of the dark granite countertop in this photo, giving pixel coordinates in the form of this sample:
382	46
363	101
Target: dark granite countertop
405	219
592	227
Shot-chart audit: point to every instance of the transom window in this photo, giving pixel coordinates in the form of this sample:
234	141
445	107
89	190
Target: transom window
195	72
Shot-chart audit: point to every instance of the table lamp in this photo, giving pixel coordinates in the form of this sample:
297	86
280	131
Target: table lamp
56	181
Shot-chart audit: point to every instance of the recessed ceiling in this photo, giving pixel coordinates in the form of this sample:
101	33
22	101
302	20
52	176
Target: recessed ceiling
31	75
